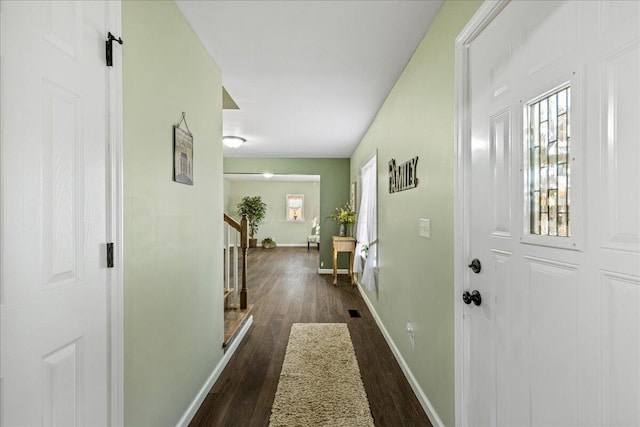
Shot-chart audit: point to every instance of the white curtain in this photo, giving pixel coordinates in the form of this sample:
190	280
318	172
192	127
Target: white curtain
366	227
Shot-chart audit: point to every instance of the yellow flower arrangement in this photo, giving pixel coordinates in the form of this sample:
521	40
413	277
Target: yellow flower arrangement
344	214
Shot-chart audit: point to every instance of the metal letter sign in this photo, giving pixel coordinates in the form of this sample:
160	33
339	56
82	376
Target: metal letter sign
403	177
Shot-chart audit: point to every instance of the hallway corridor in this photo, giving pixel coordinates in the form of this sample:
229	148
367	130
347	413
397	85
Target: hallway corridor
285	288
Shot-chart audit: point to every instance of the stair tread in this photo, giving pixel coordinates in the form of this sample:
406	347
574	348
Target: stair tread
234	318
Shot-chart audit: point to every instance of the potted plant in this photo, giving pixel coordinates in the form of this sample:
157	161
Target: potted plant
345	216
255	210
268	243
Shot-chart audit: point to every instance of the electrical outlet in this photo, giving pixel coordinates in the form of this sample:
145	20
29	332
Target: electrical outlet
411	330
425	227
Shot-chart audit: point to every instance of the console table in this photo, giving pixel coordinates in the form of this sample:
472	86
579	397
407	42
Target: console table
343	244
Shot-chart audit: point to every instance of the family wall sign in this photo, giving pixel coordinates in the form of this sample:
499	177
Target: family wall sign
403	177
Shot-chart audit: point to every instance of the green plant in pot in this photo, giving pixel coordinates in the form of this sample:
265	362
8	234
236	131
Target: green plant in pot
255	210
268	243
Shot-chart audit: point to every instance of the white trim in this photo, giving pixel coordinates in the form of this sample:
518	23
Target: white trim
462	162
292	245
422	397
202	394
115	215
330	270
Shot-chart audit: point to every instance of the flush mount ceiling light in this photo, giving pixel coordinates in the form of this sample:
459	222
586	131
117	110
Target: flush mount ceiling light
233	141
267	174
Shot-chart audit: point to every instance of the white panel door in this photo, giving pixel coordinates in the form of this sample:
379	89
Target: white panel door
55	287
554	92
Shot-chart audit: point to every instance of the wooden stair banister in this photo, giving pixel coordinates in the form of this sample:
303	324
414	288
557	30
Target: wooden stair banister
242	228
232	222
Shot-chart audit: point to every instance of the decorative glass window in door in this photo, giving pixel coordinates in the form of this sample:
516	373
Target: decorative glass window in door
295	207
549	166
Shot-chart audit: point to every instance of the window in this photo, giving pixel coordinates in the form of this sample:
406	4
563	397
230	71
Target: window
295	207
366	227
549	166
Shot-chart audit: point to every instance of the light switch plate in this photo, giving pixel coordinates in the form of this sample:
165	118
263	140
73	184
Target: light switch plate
425	228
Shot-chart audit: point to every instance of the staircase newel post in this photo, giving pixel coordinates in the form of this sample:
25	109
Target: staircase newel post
244	237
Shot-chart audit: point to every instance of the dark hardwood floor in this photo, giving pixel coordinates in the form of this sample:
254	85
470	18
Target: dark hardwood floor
285	288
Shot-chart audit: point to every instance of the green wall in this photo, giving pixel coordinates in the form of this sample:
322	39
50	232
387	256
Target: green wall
416	274
173	321
273	193
228	208
334	188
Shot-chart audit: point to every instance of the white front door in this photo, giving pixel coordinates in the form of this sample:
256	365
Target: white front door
554	217
55	285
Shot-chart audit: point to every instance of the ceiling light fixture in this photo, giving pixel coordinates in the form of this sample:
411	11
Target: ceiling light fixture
233	141
267	174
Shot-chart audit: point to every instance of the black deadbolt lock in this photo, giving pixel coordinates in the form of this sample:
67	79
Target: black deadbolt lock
475	265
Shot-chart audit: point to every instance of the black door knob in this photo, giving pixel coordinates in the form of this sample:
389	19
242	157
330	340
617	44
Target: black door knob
475	265
466	297
476	298
473	297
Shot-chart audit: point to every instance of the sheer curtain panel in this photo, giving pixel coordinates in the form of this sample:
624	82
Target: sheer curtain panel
366	227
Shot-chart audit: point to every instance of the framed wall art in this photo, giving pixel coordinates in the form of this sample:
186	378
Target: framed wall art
182	155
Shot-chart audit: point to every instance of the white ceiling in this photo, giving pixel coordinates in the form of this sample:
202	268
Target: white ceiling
308	76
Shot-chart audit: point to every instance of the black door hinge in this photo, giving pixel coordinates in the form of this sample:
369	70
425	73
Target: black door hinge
109	255
111	38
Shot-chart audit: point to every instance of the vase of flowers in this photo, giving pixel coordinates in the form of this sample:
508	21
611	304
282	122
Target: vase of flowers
345	216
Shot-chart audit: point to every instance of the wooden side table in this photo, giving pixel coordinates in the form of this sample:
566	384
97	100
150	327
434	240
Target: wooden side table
343	244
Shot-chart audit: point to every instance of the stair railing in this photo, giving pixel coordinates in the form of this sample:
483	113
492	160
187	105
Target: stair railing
236	231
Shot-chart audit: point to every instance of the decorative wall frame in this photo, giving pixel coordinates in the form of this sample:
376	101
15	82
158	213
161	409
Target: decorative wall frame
182	153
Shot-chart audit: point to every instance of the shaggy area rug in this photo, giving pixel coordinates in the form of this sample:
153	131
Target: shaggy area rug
320	383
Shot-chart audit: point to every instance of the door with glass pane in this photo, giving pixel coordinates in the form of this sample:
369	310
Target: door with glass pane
552	331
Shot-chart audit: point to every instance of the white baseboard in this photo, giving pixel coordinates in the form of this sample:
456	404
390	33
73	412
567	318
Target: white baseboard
330	271
293	245
422	397
202	394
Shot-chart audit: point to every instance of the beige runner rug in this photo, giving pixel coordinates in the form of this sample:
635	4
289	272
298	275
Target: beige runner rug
320	383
